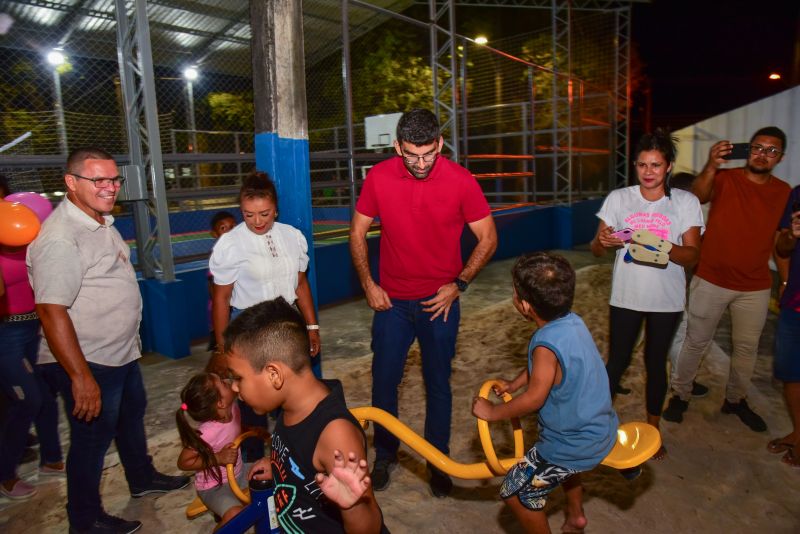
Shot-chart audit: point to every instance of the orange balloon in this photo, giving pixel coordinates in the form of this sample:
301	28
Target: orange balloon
19	225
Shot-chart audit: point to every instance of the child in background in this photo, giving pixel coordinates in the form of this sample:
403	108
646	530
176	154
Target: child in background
566	384
318	457
209	400
221	223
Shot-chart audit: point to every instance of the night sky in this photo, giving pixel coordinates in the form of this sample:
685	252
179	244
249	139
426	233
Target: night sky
706	57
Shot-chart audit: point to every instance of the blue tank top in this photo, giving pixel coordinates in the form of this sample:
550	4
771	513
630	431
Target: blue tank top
577	425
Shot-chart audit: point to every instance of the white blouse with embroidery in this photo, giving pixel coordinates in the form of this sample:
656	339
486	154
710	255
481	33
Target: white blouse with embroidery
260	267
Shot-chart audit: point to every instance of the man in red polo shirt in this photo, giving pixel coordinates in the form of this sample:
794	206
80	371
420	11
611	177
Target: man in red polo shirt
733	272
423	201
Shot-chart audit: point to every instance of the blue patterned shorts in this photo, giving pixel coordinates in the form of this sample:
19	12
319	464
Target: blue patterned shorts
532	479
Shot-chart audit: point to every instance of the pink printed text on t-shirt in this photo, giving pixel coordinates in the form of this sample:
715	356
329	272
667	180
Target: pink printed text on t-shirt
657	223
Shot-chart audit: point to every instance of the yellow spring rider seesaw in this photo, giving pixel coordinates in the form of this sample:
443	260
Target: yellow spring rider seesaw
636	443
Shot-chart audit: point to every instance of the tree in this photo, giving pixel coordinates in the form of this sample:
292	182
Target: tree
392	77
232	111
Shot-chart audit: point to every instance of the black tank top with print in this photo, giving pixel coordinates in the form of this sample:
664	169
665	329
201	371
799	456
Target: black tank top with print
300	504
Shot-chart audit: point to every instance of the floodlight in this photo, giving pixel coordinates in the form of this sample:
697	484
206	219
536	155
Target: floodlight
191	73
56	58
774	76
481	40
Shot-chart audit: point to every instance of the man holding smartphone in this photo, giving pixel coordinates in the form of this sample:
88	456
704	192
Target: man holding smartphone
733	272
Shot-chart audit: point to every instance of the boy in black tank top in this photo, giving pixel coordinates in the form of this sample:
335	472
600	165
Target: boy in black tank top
318	457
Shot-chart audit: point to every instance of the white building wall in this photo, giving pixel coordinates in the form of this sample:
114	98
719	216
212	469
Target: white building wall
781	110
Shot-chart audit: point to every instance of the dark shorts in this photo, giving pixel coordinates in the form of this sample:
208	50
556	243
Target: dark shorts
532	479
787	340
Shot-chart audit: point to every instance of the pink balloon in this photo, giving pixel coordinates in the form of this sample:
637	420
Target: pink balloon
36	202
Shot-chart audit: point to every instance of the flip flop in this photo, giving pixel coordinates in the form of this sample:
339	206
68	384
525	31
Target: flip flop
776	446
648	254
645	237
791	459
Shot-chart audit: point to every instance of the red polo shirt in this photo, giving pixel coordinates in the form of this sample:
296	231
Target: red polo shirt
421	223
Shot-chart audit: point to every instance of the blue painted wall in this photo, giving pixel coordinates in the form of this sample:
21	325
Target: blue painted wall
519	230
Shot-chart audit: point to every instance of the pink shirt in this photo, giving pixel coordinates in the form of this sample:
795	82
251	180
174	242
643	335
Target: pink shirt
217	435
421	223
19	295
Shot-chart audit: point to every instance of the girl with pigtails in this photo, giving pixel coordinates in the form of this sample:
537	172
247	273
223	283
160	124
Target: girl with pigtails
208	422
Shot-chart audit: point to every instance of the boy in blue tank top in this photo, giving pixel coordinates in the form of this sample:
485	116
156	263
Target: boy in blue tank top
567	385
318	457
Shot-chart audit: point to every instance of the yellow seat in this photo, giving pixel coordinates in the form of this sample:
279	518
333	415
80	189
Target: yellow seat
636	443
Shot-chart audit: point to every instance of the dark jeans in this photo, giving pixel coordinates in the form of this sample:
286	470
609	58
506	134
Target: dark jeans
393	332
29	399
121	419
658	333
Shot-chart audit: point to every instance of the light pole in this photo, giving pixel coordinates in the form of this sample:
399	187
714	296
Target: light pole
56	58
191	74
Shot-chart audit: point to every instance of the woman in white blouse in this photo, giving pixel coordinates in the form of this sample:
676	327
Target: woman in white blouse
260	259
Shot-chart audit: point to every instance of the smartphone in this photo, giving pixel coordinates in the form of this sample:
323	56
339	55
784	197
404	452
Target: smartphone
624	234
739	151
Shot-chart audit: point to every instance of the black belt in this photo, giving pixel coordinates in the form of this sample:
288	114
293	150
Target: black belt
19	317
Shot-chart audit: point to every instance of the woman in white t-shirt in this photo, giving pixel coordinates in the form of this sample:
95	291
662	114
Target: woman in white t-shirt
643	292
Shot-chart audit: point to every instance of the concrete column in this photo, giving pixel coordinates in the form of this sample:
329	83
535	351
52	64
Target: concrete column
281	121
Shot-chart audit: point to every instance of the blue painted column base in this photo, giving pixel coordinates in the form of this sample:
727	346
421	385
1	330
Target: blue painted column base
164	326
563	227
288	164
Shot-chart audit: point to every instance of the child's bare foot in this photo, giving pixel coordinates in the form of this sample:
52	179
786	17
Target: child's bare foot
348	481
574	524
660	454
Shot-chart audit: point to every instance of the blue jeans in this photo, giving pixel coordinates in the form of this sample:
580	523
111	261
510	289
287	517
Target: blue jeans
393	332
29	399
121	419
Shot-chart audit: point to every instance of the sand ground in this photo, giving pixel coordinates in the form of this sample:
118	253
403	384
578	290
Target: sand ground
718	476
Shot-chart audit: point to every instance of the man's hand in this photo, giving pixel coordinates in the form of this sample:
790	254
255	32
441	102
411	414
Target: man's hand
228	454
315	342
377	298
86	393
347	482
715	155
261	470
482	408
442	301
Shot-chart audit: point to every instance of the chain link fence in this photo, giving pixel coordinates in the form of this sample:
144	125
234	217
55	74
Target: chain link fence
508	128
511	129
